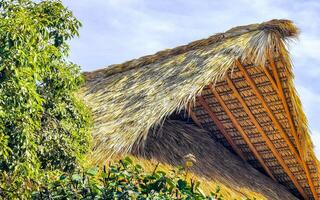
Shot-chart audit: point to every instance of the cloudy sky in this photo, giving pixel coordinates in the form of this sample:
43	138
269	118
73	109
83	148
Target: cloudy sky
115	31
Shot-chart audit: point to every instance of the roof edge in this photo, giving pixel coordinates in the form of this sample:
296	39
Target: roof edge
285	28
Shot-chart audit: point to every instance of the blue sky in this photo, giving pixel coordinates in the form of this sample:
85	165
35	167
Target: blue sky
115	31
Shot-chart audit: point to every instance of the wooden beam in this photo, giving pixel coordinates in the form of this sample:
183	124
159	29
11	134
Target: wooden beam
268	110
279	88
270	113
292	126
242	132
194	116
263	134
220	126
272	81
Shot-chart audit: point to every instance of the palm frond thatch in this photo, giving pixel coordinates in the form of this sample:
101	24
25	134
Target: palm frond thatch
129	99
175	142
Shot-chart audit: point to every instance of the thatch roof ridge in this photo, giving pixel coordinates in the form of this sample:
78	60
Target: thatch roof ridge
283	27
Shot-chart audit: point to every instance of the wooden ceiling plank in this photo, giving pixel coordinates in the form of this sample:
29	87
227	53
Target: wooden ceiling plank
242	132
270	113
292	126
220	126
263	134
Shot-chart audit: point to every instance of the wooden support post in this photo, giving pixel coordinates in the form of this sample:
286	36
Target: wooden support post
220	126
242	132
271	115
292	126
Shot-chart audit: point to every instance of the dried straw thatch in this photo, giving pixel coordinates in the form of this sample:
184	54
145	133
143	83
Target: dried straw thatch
171	143
238	85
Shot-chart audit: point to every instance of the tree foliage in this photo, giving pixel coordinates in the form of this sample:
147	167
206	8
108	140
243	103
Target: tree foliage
43	126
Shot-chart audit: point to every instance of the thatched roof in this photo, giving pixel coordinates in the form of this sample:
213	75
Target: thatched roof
175	141
238	85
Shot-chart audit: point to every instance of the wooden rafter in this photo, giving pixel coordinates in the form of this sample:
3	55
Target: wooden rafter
242	132
220	126
270	114
194	116
272	81
264	135
269	111
292	126
279	89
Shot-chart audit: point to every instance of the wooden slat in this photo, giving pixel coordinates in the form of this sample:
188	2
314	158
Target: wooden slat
220	126
263	133
273	118
242	132
292	126
268	110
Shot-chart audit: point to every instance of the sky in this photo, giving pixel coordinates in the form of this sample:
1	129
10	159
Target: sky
115	31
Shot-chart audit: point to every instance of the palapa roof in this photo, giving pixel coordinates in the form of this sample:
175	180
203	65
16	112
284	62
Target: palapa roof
237	85
176	142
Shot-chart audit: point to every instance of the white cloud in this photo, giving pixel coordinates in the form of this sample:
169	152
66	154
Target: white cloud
307	46
315	135
311	101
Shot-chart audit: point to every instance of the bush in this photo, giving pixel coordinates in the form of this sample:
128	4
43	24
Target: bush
123	180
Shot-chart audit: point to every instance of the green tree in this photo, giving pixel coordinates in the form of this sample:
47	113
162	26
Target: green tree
43	126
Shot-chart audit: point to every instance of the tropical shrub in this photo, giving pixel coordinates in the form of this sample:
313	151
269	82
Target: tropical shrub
123	180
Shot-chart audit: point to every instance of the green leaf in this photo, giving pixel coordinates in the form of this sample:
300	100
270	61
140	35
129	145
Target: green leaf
92	171
182	184
128	160
63	176
76	178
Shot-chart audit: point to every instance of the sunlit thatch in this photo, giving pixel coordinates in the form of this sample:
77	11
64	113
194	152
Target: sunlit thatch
130	99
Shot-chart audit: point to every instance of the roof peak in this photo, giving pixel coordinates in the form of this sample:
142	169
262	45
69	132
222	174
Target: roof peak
284	27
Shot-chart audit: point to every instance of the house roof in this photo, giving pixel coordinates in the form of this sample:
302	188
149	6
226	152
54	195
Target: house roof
177	141
238	85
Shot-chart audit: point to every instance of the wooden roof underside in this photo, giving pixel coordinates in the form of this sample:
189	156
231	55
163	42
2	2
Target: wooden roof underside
251	113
